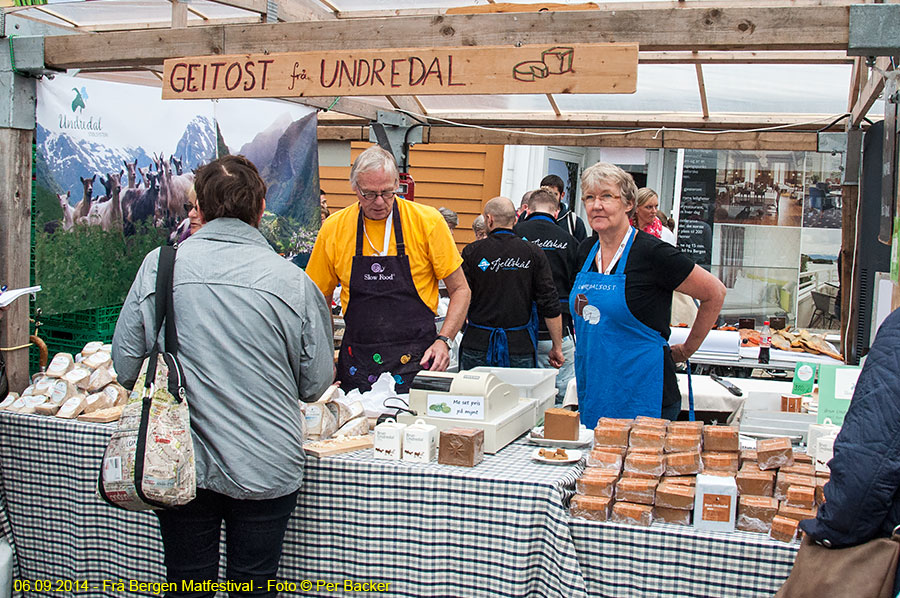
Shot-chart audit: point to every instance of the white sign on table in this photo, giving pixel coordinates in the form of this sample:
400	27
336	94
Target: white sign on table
455	406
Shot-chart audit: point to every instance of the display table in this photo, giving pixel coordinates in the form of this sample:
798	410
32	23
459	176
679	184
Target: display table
709	395
500	529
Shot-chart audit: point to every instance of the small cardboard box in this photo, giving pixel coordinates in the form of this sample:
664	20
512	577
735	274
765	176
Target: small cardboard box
389	441
420	442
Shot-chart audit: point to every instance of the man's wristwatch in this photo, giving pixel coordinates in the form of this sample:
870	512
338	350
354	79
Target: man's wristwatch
446	339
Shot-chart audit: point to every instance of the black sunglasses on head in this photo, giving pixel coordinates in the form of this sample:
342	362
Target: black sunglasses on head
188	207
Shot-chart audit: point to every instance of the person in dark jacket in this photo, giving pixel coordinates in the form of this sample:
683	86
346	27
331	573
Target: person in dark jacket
862	499
566	218
561	249
507	276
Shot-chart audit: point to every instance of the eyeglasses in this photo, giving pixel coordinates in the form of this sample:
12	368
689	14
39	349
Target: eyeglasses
606	199
371	195
188	207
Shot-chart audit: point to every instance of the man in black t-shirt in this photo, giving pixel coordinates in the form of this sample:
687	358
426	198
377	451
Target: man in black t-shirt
566	218
561	249
507	277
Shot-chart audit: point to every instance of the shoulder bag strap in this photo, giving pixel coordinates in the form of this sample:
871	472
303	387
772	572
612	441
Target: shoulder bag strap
163	282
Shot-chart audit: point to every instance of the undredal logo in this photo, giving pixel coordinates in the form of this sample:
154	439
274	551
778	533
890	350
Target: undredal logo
91	126
376	268
80	96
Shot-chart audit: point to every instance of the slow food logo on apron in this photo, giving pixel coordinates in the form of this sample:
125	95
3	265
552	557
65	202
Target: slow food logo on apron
378	273
585	310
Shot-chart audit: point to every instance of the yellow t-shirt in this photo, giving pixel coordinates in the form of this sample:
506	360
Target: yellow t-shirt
430	246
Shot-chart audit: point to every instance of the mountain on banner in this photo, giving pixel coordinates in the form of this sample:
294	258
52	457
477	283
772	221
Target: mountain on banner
292	176
197	145
261	149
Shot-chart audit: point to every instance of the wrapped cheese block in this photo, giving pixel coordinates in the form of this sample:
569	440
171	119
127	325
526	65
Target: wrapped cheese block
675	496
604	459
643	476
676	516
62	392
43	386
91	348
321	422
720	461
796	513
28	404
651	421
60	364
755	482
9	400
749	456
691	428
78	375
611	434
683	443
97	360
686	480
772	453
636	490
755	513
590	507
118	395
597	485
802	497
800	468
783	529
46	408
650	437
820	491
721	439
635	514
461	446
561	424
615	421
96	402
784	480
681	464
645	463
346	410
359	427
29	390
99	379
802	457
72	408
645	450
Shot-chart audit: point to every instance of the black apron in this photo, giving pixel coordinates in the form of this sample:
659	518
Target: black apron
388	326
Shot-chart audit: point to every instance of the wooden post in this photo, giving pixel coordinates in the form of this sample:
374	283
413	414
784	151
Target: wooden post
849	201
15	247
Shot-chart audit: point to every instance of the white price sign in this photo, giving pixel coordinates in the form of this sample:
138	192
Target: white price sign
455	406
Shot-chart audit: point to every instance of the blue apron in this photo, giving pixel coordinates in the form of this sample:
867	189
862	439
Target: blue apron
618	359
498	344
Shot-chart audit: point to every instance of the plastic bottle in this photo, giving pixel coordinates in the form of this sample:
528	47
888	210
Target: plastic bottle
765	341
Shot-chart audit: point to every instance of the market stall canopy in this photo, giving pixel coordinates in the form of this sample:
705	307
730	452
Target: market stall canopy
770	67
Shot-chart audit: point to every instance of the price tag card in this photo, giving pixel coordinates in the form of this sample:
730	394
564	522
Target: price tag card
836	386
455	406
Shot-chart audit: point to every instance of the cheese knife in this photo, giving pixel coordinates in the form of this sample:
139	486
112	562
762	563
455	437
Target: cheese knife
728	385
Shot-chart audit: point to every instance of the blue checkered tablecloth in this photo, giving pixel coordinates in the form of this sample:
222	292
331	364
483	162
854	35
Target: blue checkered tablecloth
665	560
499	529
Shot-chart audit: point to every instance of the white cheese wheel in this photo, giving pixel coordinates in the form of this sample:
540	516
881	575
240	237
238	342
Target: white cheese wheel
354	427
29	390
116	393
99	379
71	408
96	401
78	375
91	348
60	364
46	408
97	360
9	400
62	391
43	386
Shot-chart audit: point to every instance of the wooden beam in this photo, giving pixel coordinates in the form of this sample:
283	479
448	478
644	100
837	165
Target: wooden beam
408	103
349	106
15	232
870	92
154	26
179	14
742	57
554	105
681	29
303	10
855	81
257	6
701	86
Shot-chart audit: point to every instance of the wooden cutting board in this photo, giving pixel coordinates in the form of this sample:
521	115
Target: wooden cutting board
102	416
336	446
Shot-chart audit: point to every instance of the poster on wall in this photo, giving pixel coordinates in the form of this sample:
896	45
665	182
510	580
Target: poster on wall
114	166
698	194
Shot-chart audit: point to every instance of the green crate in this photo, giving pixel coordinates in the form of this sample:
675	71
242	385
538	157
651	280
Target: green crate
97	320
64	341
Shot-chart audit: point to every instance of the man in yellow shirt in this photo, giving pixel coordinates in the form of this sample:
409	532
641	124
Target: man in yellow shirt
388	255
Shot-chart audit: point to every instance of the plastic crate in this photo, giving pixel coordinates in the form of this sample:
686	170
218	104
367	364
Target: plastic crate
97	320
64	341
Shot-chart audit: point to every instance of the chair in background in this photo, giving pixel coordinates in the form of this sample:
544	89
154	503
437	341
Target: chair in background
824	310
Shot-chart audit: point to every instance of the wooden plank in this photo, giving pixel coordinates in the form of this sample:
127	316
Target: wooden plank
855	82
874	87
408	103
336	446
467	161
785	27
257	6
745	57
179	14
349	106
303	10
103	416
553	105
15	248
701	86
575	68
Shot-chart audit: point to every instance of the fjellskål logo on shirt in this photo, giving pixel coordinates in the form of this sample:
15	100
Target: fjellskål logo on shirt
484	264
509	263
550	244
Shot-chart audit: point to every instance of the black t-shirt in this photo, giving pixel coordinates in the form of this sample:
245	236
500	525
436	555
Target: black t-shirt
561	250
654	269
506	275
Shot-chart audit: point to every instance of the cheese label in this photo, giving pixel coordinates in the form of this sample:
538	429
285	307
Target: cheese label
716	507
455	406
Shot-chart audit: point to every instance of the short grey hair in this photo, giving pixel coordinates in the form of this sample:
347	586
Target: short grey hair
450	216
374	158
479	225
604	171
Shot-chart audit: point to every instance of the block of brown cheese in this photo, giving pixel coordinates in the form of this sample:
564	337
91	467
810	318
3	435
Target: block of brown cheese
692	428
651	421
675	496
653	464
604	459
682	443
636	490
590	507
748	457
637	474
802	457
680	464
676	516
783	529
755	482
784	480
795	513
686	480
611	434
799	468
649	437
721	439
635	514
802	497
461	446
720	461
597	485
561	424
772	453
755	513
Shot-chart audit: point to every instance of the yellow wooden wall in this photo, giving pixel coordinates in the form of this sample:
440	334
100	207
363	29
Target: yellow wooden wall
456	176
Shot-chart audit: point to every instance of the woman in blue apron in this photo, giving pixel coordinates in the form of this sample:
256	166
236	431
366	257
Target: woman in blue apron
621	305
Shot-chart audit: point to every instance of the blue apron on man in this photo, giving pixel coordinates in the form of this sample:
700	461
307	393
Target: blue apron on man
618	359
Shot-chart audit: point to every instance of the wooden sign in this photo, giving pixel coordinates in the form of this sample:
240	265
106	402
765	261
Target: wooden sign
575	68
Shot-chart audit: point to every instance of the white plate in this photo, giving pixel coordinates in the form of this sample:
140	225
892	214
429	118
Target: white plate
574	457
585	436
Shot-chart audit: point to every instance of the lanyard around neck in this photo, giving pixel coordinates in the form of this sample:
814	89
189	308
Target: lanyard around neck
616	256
387	235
